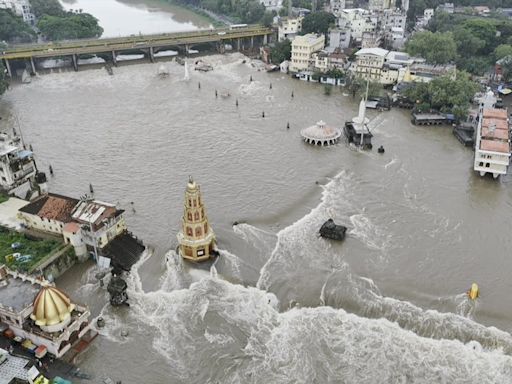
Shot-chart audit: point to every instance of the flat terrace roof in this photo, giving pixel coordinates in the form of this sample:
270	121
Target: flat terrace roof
495	113
18	294
501	134
497	123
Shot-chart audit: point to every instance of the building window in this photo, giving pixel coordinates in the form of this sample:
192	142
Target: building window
205	228
196	216
189	216
198	231
189	232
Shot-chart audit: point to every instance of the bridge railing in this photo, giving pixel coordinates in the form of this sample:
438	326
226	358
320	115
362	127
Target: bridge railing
79	43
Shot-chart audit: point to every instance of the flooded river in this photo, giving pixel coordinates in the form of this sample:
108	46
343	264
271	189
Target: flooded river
281	305
128	17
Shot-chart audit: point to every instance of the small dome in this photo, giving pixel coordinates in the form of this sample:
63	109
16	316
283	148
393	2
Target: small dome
191	185
51	306
321	132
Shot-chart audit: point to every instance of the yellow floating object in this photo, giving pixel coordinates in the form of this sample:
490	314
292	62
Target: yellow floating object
473	292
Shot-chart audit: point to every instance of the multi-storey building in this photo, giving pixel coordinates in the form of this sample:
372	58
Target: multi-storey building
289	28
302	49
20	8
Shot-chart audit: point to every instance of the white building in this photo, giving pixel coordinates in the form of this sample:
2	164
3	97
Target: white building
272	5
381	4
381	65
371	40
100	222
492	144
20	8
336	6
338	38
358	21
289	28
17	166
302	49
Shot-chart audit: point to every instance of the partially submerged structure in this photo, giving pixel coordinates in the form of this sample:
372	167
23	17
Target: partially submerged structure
91	226
196	238
321	134
492	144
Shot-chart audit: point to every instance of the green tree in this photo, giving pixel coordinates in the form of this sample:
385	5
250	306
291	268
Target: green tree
502	50
267	19
46	7
435	47
484	30
357	87
281	51
71	26
440	22
468	45
13	28
318	22
445	94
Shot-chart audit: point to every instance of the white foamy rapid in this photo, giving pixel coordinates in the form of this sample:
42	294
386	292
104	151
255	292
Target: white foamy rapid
218	332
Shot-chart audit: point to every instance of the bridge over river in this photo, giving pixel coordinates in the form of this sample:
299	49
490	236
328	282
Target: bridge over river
241	36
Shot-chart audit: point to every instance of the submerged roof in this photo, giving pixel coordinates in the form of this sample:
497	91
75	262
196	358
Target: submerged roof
321	131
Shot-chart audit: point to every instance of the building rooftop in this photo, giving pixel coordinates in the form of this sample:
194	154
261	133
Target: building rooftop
494	113
18	293
95	212
310	38
495	146
5	149
52	206
372	51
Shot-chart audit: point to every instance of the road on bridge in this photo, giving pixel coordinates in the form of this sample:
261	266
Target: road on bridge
91	46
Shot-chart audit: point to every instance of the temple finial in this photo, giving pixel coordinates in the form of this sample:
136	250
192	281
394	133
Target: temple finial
190	180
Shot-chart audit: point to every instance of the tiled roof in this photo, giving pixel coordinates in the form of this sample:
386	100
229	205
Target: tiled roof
52	206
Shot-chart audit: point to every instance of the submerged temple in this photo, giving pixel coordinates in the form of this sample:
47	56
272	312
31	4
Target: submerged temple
196	238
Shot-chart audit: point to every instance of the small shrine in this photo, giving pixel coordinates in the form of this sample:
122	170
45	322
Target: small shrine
321	134
196	238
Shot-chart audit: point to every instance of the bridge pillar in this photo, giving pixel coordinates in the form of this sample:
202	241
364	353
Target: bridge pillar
252	42
187	47
151	55
265	39
238	44
32	66
114	61
75	62
8	67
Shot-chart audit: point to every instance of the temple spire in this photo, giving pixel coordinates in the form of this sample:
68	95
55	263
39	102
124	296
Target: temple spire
196	238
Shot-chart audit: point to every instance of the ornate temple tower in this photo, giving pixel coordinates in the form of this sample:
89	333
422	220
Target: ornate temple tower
196	238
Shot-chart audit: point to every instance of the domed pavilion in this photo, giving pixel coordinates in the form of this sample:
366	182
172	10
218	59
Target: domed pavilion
52	309
321	134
